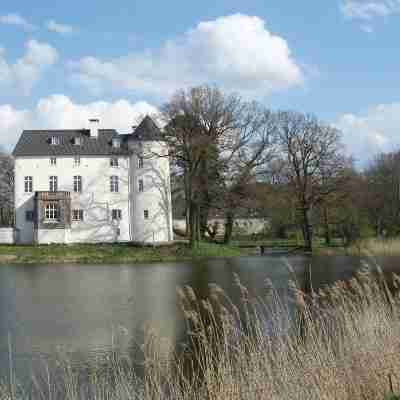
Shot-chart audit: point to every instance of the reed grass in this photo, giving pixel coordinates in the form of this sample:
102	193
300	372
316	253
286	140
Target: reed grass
340	343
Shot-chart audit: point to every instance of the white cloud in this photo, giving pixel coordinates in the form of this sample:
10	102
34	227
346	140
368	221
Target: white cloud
375	131
369	9
59	111
27	70
62	29
237	52
17	20
12	122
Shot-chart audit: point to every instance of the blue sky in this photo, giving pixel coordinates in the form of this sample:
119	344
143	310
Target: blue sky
63	62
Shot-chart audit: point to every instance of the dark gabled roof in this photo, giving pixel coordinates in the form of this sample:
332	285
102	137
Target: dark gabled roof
38	143
147	131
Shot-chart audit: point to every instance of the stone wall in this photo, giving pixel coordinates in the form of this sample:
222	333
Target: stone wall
241	226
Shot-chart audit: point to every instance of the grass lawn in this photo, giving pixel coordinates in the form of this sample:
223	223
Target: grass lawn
318	243
113	253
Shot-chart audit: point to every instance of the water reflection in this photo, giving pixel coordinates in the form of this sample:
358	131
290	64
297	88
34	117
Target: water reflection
86	309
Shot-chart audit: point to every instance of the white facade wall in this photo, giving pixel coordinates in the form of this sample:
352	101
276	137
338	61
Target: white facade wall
156	195
7	235
96	199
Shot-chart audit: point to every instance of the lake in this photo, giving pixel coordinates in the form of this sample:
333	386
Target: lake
85	310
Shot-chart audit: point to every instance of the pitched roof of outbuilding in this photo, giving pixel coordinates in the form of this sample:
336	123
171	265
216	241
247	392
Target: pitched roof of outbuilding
38	142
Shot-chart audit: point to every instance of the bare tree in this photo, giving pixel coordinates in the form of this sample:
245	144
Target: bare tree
383	193
205	129
258	149
311	162
6	189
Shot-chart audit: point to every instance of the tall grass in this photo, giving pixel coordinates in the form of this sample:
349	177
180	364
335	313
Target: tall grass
343	343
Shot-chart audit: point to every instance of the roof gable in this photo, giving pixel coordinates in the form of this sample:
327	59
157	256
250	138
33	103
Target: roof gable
147	131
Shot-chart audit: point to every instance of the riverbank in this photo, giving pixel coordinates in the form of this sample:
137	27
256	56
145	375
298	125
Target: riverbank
114	253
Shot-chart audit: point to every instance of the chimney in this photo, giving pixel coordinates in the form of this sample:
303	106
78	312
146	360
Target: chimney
94	127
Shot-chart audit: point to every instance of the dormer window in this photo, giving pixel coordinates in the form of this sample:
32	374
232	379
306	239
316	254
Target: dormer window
116	143
55	140
77	141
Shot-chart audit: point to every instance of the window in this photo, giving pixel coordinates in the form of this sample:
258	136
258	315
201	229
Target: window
116	143
116	214
29	215
53	184
28	184
53	161
146	214
114	162
77	184
141	185
51	212
114	184
140	162
55	140
77	215
77	161
77	141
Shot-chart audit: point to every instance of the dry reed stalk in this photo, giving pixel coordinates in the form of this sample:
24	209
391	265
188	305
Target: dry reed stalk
347	348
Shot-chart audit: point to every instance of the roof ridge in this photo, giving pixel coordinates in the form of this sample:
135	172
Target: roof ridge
47	131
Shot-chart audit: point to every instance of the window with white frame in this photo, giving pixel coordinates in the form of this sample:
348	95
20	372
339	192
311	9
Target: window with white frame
28	184
141	185
146	214
114	162
55	140
53	184
116	214
114	184
77	161
77	184
77	215
53	161
52	212
140	162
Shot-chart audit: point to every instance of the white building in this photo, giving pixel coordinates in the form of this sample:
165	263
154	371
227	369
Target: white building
92	185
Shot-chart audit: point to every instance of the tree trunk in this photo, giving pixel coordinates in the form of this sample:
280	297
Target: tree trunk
228	227
192	224
307	229
198	224
203	217
187	204
327	229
